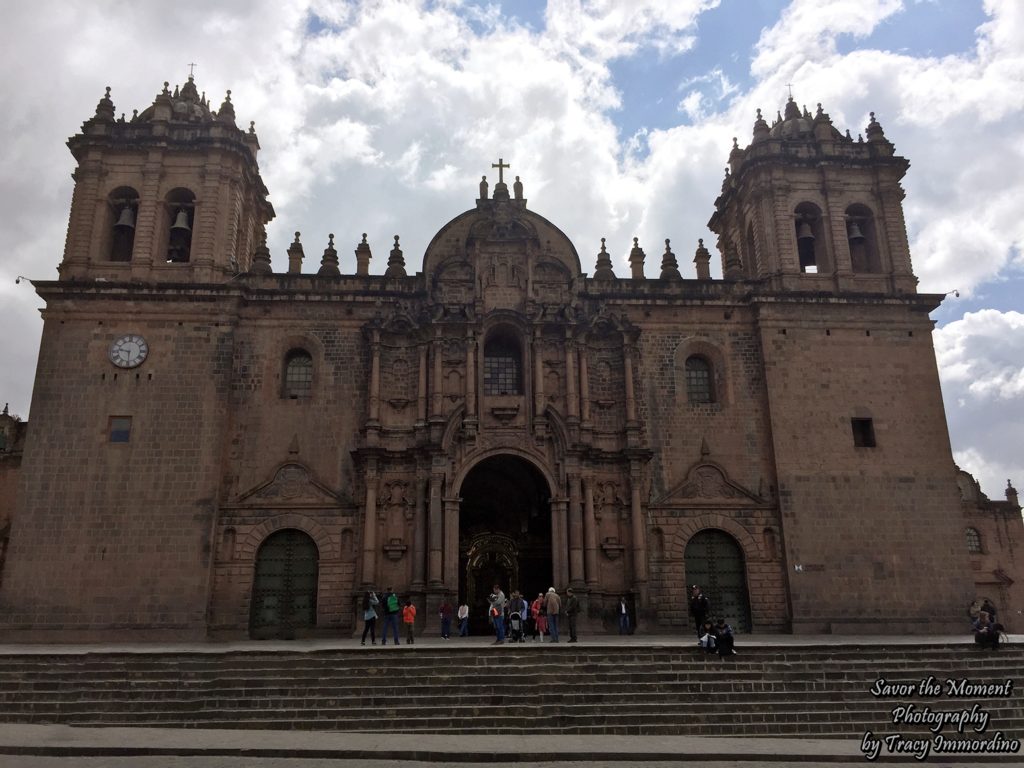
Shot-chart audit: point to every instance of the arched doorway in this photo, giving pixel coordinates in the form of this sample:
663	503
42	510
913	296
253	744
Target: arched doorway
284	586
504	533
714	560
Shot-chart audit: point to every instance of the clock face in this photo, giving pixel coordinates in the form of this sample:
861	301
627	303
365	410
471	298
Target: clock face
128	351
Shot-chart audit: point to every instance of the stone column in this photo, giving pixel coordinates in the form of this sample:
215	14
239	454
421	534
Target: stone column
370	526
584	386
559	544
436	535
419	536
575	525
639	533
421	398
436	404
375	377
451	544
572	402
589	533
470	375
627	355
538	375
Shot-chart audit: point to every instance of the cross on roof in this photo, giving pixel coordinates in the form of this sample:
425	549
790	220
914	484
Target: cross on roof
790	86
501	165
190	68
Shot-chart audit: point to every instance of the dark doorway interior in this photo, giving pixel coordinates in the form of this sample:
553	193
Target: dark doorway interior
714	560
504	534
284	588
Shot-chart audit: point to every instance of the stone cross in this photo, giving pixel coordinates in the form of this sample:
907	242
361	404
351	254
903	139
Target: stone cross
501	165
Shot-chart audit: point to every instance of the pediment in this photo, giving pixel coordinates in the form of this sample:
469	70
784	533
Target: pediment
705	484
292	485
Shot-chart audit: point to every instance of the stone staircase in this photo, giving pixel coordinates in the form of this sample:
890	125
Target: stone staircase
781	691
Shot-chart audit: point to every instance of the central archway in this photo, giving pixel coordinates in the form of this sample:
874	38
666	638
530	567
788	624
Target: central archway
504	533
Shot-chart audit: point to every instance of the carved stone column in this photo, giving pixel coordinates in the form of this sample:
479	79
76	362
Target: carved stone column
436	533
421	397
575	533
572	402
470	376
627	356
451	544
374	409
538	375
589	533
370	526
436	402
639	531
419	536
559	543
584	386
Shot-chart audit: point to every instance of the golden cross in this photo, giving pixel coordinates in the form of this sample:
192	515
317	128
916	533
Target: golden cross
500	165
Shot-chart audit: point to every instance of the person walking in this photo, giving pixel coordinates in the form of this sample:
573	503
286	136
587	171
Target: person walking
552	606
409	619
700	607
623	616
445	612
370	603
497	613
572	610
392	608
464	620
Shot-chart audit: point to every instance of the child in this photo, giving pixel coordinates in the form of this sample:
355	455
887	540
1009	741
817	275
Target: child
409	619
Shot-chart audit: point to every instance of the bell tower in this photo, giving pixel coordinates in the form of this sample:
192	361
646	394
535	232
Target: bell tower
172	194
806	208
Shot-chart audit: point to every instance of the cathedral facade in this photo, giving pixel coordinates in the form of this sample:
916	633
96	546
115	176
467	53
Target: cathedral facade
218	449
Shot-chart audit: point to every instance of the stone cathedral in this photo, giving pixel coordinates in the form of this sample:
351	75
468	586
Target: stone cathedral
220	448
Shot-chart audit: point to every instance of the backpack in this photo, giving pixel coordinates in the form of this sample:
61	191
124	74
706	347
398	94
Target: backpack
392	603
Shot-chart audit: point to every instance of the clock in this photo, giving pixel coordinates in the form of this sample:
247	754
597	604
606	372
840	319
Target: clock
128	351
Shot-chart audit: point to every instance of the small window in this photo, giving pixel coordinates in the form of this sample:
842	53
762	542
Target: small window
863	433
120	429
973	541
698	380
298	375
502	369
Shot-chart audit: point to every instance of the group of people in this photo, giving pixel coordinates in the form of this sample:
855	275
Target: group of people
712	636
985	627
393	608
514	618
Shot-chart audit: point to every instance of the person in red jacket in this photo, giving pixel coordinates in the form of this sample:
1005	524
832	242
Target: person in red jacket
409	619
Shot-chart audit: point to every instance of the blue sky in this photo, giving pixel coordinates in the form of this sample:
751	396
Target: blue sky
381	116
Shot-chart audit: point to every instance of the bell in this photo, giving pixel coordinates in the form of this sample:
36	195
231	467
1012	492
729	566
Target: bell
127	219
181	221
803	231
856	236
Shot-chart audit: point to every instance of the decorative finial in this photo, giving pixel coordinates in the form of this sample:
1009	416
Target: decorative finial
636	242
329	262
135	115
364	238
228	97
252	126
759	114
396	262
602	246
396	241
735	143
167	88
603	269
7	413
820	110
666	243
107	96
700	242
330	240
297	236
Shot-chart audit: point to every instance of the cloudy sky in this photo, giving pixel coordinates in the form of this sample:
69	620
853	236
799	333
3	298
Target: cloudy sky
380	117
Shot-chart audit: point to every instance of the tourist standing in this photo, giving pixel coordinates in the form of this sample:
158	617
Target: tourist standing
445	612
392	608
552	607
496	611
463	620
409	619
699	607
623	616
572	610
540	619
370	602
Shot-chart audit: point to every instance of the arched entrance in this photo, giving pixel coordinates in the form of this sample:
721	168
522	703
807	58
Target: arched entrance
284	586
504	533
714	560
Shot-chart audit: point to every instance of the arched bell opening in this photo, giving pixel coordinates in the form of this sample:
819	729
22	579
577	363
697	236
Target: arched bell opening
504	534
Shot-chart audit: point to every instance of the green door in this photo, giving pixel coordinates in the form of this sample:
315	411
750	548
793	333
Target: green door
284	589
715	561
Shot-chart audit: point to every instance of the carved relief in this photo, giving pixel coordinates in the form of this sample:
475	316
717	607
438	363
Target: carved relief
292	484
395	496
607	501
707	482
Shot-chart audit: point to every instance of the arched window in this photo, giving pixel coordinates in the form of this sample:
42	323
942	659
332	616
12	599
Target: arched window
124	208
699	387
973	541
863	240
298	375
503	370
810	238
181	208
